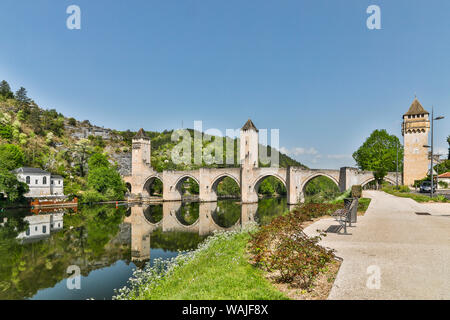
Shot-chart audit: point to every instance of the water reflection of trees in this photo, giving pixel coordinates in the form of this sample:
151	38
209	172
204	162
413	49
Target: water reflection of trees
227	214
154	213
175	240
86	240
270	208
188	214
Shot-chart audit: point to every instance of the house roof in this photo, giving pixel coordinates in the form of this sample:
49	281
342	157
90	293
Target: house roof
57	177
141	135
445	175
416	108
29	170
249	125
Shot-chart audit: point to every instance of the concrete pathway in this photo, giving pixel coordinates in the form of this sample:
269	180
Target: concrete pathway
409	252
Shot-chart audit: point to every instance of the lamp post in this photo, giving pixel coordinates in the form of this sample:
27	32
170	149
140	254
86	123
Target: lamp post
432	145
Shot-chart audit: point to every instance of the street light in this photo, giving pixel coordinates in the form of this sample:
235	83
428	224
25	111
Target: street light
432	145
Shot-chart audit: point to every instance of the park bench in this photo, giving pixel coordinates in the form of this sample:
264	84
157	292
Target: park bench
347	215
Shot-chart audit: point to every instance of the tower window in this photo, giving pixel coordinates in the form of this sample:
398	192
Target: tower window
28	180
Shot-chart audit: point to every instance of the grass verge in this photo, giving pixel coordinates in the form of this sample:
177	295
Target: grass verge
363	205
417	197
217	270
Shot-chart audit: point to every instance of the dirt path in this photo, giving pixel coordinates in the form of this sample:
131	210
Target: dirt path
409	252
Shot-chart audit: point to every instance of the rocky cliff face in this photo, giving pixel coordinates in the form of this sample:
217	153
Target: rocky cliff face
123	161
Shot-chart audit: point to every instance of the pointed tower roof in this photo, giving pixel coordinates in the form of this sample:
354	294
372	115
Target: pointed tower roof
416	108
249	125
141	135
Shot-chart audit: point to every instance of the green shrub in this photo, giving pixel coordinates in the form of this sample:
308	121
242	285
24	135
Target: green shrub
404	189
92	196
443	184
356	191
284	248
6	132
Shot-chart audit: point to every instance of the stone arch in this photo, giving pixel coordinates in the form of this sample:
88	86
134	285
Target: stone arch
255	185
184	177
219	179
148	183
319	174
179	183
367	181
128	185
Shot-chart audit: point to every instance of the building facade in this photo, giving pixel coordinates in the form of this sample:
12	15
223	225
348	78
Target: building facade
415	130
41	183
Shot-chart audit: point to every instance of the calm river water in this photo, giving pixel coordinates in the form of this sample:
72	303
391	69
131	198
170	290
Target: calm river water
107	243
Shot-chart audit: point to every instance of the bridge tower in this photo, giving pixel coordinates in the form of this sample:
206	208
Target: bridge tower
140	161
415	129
141	151
249	160
249	146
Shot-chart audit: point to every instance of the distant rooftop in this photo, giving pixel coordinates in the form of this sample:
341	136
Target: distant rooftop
30	170
249	125
141	135
416	108
445	175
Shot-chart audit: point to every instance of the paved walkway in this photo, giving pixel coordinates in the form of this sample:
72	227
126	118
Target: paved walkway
412	252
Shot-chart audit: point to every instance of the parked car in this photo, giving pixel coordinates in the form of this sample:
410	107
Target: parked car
426	187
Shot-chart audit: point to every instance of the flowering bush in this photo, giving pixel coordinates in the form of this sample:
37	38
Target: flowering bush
282	246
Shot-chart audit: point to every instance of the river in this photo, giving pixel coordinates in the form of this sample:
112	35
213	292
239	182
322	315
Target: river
39	251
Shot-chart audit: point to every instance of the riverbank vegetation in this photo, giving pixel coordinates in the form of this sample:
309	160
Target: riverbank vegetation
11	189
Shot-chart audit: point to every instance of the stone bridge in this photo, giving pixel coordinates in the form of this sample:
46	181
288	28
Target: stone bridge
248	176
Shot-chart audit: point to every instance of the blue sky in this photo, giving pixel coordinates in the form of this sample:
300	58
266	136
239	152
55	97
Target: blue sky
309	68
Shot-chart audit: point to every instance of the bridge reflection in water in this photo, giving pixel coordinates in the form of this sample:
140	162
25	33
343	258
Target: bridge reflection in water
197	218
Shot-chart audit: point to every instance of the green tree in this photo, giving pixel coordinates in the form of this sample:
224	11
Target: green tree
104	179
448	141
6	132
72	121
266	187
10	186
98	160
443	167
379	154
11	157
5	90
21	95
81	153
107	181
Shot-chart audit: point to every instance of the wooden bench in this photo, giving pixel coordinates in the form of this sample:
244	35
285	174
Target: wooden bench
344	216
